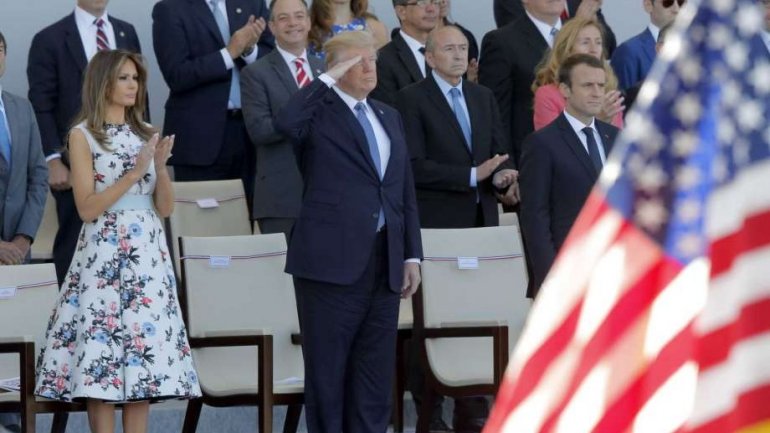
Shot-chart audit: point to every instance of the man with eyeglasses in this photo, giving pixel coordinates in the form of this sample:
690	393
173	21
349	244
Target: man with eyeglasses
634	57
401	61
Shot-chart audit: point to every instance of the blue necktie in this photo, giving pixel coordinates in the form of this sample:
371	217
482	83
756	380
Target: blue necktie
593	148
460	115
224	30
5	138
373	149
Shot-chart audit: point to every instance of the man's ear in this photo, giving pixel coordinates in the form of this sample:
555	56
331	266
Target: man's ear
565	91
430	60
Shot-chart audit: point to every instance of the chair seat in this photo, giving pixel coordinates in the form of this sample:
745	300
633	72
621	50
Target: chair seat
15	397
461	361
232	371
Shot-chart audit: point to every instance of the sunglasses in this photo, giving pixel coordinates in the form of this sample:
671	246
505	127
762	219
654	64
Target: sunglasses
669	3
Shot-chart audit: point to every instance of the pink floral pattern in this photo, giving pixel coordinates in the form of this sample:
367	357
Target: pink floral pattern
116	332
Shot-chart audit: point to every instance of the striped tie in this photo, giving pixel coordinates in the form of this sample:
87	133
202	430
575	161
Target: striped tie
101	37
302	78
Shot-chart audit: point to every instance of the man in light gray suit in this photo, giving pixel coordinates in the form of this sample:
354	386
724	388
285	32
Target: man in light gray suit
23	175
266	85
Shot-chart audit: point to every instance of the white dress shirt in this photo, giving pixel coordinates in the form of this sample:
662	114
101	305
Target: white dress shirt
578	126
229	63
445	88
544	28
87	28
289	59
655	31
415	45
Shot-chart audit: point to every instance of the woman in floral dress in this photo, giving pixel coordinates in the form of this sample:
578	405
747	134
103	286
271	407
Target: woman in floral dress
331	17
116	333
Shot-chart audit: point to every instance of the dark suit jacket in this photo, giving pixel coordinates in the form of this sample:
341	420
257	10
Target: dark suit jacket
396	69
55	71
507	11
440	157
333	237
633	59
555	179
22	190
187	45
509	57
266	86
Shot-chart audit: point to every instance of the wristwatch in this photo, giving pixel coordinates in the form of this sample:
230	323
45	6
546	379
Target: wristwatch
247	52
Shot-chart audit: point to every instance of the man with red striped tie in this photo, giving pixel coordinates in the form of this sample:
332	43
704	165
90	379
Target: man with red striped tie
266	85
58	57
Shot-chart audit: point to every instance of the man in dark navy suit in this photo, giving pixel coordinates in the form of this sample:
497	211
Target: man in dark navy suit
201	45
58	57
561	162
355	248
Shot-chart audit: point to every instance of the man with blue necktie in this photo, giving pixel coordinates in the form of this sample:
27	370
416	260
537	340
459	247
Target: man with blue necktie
460	162
201	46
355	247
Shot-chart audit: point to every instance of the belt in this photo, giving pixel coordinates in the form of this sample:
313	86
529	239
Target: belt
235	112
132	202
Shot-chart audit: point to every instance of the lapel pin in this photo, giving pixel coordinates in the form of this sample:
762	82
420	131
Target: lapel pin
238	10
122	35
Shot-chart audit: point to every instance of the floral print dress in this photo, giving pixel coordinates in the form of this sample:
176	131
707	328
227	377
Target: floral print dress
116	332
358	24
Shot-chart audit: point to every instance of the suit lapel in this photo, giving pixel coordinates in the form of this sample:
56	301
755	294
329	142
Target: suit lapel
533	34
344	113
649	46
235	16
608	136
201	10
12	115
316	65
475	110
283	71
74	44
572	141
391	128
407	58
121	38
439	100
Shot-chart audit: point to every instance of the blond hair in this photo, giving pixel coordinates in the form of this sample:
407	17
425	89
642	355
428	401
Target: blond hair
100	78
337	45
563	45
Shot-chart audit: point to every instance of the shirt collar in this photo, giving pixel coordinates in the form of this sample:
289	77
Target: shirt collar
85	19
413	43
577	125
289	57
655	31
349	100
445	87
543	26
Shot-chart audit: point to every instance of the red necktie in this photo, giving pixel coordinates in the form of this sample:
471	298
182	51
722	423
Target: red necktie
302	78
565	14
101	37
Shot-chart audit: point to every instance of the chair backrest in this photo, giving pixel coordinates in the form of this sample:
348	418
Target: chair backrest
26	313
472	276
509	219
210	208
255	228
42	248
238	283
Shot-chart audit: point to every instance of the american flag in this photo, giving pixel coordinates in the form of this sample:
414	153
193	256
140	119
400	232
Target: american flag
656	314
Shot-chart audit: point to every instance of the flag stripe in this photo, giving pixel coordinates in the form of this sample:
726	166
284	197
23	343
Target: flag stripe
752	235
751	407
716	346
733	196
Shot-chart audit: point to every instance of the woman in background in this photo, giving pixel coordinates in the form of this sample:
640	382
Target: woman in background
330	17
578	35
116	334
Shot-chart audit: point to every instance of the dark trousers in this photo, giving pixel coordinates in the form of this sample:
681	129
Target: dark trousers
66	239
349	344
236	159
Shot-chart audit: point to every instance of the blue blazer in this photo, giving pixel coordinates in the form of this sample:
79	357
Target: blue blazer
633	59
55	71
333	237
187	45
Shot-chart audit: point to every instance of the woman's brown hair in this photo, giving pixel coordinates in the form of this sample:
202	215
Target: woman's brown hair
100	78
322	19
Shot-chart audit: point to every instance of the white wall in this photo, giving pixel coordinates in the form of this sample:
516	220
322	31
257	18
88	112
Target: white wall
21	19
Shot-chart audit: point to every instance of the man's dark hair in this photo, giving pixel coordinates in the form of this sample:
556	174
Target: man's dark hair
565	70
399	2
273	2
2	41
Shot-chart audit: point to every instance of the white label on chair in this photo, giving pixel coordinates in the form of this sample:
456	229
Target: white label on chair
219	261
207	203
7	292
467	263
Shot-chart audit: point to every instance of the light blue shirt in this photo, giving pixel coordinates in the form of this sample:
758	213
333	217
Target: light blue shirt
445	88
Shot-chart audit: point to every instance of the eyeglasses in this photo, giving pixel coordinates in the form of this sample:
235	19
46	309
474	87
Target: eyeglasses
668	3
424	3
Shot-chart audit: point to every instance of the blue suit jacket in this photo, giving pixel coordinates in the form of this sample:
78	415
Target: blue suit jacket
55	71
333	237
187	45
633	59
